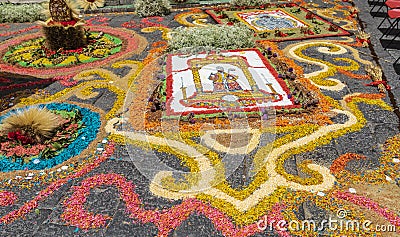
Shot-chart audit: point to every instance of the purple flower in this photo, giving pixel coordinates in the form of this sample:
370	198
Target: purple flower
161	76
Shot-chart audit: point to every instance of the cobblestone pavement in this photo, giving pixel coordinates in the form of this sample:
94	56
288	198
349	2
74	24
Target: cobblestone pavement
101	191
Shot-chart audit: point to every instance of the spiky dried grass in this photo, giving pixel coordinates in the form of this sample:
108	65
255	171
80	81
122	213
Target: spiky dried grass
36	122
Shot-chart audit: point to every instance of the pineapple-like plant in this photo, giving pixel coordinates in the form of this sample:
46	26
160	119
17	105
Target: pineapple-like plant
33	124
64	29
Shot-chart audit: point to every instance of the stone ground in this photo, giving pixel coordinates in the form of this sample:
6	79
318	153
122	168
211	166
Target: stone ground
46	221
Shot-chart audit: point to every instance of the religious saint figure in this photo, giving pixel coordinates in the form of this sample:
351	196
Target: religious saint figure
224	81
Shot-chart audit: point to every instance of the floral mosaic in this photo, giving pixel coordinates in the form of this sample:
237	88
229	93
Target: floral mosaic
333	133
278	22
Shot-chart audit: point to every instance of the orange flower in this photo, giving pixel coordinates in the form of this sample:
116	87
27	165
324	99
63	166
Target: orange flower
340	163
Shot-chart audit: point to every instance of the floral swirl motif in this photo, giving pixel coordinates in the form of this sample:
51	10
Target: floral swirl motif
321	78
198	16
165	220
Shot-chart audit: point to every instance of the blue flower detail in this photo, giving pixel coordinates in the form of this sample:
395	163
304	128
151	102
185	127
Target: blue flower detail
92	123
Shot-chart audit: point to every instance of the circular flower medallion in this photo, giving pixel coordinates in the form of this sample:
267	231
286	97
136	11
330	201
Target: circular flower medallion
44	136
27	55
33	53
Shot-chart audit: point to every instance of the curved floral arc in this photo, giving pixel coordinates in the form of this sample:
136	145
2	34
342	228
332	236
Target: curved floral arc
111	77
92	123
211	142
271	184
84	90
165	220
198	16
7	198
136	68
202	161
66	93
350	109
117	91
388	167
325	72
339	164
30	205
328	69
355	53
361	201
166	32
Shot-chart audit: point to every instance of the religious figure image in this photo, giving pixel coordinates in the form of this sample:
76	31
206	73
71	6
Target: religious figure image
224	81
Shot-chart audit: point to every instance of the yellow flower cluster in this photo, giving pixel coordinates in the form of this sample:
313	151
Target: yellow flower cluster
251	215
315	177
332	68
117	104
388	168
165	31
198	16
124	63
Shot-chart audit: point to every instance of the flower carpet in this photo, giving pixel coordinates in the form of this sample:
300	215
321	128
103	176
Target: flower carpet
279	22
212	74
289	138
